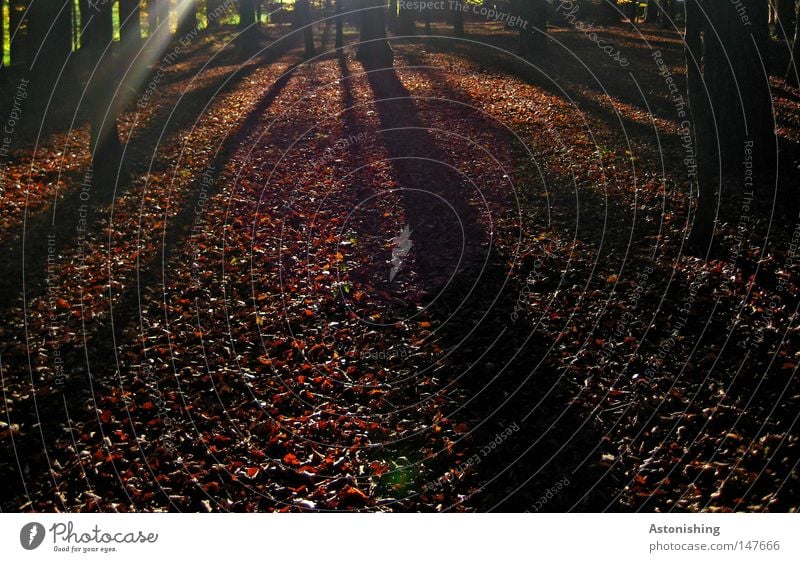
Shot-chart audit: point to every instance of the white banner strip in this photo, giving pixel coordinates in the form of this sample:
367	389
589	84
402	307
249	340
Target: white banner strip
395	537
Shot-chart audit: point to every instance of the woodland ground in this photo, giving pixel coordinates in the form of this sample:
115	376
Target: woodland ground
222	334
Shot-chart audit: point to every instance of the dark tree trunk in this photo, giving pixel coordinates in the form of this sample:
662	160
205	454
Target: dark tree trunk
130	30
405	23
188	18
793	72
339	25
391	16
666	14
784	21
212	21
651	15
730	99
611	11
248	28
105	146
18	38
702	134
50	36
458	21
427	22
532	38
247	14
374	50
163	15
152	17
303	21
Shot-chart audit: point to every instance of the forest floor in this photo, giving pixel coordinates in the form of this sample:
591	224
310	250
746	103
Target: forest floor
455	285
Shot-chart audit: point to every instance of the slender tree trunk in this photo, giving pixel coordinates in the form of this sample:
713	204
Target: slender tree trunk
152	17
103	103
651	16
374	50
405	23
163	17
212	16
247	14
130	30
793	72
391	16
532	38
702	134
458	21
18	38
427	22
785	19
248	27
339	25
50	37
303	20
187	21
666	14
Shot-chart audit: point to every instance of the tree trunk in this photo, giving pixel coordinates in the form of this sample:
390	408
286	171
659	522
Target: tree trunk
152	17
392	16
339	25
303	21
405	23
130	25
187	21
211	8
105	146
163	17
666	13
785	19
374	50
50	37
702	134
729	97
532	38
427	22
248	28
18	40
247	14
651	15
458	21
793	72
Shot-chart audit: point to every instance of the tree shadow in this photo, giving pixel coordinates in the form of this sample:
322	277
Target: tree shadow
500	365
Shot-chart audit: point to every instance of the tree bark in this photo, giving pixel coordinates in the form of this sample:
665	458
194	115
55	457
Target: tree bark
247	14
785	19
105	146
532	37
339	25
793	72
303	21
187	21
458	21
50	37
17	45
211	7
130	30
651	15
391	16
702	134
374	50
405	23
729	98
